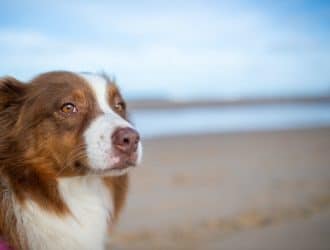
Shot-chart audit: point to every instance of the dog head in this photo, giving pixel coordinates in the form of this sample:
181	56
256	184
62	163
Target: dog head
68	124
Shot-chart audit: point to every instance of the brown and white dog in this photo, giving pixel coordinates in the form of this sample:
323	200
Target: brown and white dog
65	148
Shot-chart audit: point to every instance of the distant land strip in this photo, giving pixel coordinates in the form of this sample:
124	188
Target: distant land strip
178	104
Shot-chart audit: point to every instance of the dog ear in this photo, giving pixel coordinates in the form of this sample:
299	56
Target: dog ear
11	91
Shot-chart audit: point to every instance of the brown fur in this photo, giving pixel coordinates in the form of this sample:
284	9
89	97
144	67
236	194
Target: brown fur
38	145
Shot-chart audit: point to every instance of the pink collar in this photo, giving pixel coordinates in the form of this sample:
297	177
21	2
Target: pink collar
3	245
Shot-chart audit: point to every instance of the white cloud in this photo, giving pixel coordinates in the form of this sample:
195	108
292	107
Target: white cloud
178	52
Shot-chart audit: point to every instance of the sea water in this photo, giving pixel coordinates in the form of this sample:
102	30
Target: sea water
165	122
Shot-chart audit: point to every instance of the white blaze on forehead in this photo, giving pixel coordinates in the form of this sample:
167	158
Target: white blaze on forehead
99	85
98	136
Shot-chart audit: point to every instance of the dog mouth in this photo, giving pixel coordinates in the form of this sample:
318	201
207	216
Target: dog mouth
121	166
115	171
112	171
124	164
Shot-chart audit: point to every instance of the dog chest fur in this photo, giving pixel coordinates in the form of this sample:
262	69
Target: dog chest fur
90	205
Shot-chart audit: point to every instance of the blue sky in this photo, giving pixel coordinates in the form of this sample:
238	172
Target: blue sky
175	49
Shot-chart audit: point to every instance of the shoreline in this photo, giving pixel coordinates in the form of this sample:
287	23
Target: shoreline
256	131
150	104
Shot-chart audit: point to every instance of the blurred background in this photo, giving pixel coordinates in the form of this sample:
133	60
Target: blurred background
232	99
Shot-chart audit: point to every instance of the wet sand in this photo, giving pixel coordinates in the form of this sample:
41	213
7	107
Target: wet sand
230	191
305	233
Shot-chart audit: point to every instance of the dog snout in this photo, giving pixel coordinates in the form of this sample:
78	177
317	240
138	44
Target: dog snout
126	140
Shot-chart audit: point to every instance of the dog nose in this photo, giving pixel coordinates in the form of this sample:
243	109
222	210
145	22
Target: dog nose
126	140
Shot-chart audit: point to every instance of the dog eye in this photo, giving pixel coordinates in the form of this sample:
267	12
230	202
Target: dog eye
69	108
120	106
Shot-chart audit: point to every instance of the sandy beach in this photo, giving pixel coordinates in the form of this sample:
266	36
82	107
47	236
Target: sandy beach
259	190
